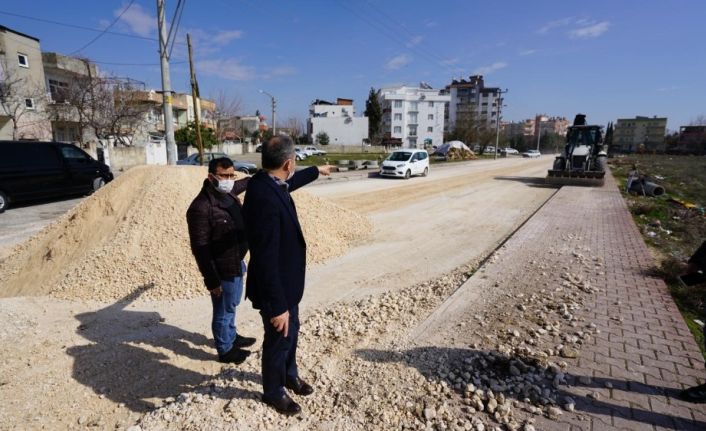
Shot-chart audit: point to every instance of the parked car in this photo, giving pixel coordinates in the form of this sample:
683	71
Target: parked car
195	160
509	150
531	153
405	163
313	151
301	155
258	149
32	170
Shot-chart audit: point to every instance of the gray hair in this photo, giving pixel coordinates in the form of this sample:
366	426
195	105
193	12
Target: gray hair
276	151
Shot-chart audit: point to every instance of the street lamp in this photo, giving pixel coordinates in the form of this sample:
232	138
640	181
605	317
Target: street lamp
499	103
538	120
274	104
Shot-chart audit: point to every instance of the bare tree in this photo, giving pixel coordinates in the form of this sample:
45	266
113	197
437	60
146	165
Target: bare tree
700	120
227	107
295	126
20	97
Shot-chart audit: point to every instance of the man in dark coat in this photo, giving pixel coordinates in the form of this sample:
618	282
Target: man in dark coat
275	282
219	244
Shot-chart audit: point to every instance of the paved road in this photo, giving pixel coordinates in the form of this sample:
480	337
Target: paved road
18	224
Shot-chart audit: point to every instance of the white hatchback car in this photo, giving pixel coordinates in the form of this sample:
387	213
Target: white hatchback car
405	163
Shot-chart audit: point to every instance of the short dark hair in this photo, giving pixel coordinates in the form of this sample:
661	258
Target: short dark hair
276	151
220	162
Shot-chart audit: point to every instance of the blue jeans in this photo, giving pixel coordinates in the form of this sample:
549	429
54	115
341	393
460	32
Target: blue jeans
223	323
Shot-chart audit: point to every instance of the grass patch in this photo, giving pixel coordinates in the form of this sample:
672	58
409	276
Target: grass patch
670	230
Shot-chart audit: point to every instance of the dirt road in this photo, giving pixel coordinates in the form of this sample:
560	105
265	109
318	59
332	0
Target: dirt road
76	364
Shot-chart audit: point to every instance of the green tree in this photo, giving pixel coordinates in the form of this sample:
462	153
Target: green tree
322	138
187	135
373	111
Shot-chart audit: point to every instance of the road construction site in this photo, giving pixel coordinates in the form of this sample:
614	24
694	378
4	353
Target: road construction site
474	298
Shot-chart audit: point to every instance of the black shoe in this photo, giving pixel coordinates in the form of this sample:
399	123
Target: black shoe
695	394
234	356
284	405
299	387
241	341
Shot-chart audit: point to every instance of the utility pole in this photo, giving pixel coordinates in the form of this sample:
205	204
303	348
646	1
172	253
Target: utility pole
196	98
538	120
166	86
274	111
497	120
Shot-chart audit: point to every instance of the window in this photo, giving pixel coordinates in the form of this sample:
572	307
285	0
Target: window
398	103
413	106
73	153
412	130
430	117
413	117
58	90
431	104
398	117
22	60
29	103
430	129
398	129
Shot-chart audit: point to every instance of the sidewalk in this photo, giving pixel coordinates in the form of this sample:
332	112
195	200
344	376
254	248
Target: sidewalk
628	375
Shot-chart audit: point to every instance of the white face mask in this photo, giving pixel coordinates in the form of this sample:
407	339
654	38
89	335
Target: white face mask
225	186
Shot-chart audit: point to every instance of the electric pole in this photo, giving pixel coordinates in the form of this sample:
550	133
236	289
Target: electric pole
497	120
166	86
197	101
538	120
274	112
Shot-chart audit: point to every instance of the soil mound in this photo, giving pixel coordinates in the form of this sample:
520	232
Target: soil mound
132	234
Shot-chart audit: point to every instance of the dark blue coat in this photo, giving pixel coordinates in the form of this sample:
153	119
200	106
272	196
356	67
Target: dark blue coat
277	264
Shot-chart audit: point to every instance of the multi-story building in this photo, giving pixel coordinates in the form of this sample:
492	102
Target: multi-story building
692	140
414	115
22	88
639	134
240	127
338	121
540	123
471	99
64	76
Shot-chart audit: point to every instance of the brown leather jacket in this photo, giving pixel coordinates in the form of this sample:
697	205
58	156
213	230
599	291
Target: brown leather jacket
217	239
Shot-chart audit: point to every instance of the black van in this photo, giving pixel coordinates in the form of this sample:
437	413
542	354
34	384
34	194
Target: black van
38	170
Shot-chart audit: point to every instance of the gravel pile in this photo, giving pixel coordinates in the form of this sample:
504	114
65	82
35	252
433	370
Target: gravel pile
505	369
132	234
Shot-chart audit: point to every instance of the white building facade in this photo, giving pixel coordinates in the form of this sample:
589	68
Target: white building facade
471	98
338	121
414	115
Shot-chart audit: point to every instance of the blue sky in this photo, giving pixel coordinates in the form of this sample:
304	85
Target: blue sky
608	59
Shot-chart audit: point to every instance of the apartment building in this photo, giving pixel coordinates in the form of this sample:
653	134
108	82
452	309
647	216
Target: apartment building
338	120
414	115
471	98
640	134
22	88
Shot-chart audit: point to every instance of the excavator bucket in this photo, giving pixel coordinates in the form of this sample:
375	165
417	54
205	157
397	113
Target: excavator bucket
575	178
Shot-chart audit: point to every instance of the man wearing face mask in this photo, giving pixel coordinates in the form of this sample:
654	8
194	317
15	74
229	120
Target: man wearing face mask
219	244
277	265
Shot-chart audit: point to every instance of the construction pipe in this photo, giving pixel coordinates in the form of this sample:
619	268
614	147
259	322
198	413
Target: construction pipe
647	188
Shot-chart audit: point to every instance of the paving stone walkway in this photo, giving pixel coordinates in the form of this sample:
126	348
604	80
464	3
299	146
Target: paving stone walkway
644	354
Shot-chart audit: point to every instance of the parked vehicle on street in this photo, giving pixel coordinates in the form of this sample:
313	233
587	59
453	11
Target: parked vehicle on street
32	170
509	151
313	151
258	149
301	155
405	163
531	153
195	160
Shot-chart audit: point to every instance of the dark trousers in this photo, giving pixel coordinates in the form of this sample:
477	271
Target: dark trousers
279	355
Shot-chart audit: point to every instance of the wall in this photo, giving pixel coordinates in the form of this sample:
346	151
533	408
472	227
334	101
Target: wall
353	149
340	130
231	149
124	158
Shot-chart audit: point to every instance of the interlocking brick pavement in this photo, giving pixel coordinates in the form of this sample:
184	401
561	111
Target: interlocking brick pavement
644	354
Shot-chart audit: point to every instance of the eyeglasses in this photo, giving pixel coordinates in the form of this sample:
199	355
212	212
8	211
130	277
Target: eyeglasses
226	176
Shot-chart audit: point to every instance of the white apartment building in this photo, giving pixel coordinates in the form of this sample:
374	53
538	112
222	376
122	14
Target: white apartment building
338	121
471	97
415	115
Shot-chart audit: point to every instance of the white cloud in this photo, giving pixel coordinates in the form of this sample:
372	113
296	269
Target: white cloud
525	52
281	71
230	68
450	61
487	70
138	20
416	40
590	31
669	89
431	24
398	62
224	37
563	22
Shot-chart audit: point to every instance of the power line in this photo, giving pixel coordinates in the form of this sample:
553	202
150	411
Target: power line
175	25
132	64
101	34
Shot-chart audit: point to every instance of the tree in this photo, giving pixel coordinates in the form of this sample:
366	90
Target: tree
294	126
322	138
700	120
227	107
187	135
20	98
373	111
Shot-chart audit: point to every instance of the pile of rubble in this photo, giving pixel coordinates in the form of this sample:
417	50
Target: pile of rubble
132	234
